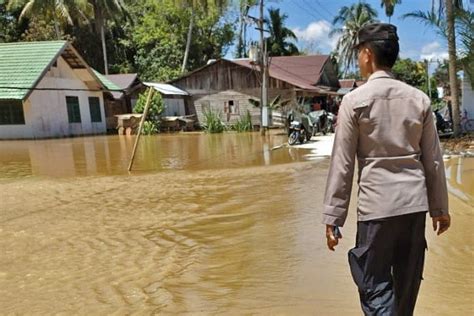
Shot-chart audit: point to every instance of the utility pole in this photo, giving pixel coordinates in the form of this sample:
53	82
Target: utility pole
263	61
428	75
264	73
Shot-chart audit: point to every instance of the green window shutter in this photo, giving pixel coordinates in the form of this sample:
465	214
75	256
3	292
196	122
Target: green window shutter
73	111
11	112
94	107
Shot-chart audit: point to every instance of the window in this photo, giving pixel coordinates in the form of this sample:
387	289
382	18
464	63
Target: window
94	107
231	107
73	111
11	112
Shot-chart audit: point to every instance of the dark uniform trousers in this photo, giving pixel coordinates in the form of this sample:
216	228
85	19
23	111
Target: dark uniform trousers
387	263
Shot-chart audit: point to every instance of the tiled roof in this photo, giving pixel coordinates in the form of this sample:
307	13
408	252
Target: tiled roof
105	81
22	65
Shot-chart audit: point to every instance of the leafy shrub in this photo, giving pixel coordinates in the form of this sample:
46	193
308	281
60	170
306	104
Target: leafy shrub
156	106
213	122
150	128
244	124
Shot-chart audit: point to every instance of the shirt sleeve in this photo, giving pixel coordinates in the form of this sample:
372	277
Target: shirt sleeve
341	170
432	160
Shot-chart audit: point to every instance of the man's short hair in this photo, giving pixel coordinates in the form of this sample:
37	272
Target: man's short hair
385	52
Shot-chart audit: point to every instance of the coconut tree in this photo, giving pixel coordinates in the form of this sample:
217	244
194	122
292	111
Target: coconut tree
389	7
61	12
348	23
104	10
244	6
193	5
442	19
279	43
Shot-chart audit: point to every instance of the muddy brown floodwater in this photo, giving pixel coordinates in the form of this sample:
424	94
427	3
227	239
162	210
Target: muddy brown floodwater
207	224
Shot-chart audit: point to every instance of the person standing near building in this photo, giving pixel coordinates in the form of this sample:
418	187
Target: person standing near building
389	126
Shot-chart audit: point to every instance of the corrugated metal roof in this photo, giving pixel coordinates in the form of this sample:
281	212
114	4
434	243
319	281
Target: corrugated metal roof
165	88
123	81
347	83
344	91
301	71
22	64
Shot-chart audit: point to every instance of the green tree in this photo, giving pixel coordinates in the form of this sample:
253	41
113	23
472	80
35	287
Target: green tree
104	10
10	25
241	48
160	52
208	6
349	21
389	7
279	43
415	74
156	106
61	12
443	20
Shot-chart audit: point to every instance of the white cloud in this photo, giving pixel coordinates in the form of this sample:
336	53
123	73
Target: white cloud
433	51
317	33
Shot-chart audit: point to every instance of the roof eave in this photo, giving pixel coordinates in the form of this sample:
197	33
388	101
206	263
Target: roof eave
45	70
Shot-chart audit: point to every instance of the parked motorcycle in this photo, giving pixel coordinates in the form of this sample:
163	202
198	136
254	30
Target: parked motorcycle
322	121
300	130
442	125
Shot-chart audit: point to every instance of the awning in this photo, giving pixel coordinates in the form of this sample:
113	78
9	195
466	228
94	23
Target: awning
165	88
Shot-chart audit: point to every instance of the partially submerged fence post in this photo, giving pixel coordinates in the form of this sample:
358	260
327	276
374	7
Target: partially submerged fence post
140	127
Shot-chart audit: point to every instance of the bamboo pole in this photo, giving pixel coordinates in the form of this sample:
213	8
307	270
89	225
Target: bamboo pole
140	127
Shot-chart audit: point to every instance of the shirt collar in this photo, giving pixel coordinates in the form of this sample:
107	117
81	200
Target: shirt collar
381	74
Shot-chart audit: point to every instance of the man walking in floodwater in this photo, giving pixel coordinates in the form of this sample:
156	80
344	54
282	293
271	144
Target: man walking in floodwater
389	126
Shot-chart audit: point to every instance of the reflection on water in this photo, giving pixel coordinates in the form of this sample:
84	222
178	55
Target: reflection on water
460	176
109	155
213	240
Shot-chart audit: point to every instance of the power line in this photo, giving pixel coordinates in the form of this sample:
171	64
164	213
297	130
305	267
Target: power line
313	8
324	8
304	10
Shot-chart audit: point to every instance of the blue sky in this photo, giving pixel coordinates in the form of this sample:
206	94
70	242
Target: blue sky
311	21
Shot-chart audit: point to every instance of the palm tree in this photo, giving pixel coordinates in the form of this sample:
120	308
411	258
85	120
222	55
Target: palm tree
279	43
241	49
389	7
61	12
351	20
103	10
444	22
193	5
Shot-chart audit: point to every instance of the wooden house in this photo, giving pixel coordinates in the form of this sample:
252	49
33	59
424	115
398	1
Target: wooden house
226	86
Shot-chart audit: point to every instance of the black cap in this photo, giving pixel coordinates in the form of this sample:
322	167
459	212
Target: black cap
376	32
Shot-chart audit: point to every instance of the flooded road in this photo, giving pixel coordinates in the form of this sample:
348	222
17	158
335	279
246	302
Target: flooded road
208	224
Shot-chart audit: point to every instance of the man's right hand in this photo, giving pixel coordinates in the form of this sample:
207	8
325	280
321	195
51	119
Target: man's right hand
441	223
332	239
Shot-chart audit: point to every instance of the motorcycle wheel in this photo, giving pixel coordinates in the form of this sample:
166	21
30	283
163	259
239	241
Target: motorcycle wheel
308	136
293	138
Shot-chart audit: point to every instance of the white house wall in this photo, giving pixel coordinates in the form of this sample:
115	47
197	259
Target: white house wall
46	111
467	97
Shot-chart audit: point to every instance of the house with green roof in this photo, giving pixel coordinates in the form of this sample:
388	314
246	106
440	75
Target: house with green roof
48	90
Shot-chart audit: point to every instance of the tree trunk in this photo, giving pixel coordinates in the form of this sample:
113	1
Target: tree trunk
104	49
240	42
452	66
56	27
188	42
